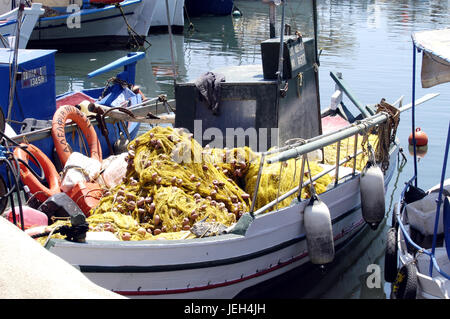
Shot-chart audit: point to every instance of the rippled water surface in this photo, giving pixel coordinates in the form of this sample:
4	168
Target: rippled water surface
369	42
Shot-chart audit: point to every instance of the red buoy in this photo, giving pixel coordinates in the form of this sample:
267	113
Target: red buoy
420	136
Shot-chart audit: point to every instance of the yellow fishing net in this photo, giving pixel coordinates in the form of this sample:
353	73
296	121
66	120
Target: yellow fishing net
347	148
172	182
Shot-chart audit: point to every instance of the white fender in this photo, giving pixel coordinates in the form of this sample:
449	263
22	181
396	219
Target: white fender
319	232
372	195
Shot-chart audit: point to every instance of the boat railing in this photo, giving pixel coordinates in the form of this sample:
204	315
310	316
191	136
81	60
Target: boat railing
303	147
313	179
400	209
139	112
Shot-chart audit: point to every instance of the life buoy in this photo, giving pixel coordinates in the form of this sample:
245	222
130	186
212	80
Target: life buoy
69	112
50	172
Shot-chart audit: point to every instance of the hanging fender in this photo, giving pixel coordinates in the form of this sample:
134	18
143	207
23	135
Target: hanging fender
69	112
50	172
372	194
319	232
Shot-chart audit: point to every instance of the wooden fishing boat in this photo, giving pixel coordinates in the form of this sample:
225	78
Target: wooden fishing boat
266	241
418	244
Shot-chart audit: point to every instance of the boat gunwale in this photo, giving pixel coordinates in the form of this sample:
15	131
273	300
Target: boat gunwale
205	263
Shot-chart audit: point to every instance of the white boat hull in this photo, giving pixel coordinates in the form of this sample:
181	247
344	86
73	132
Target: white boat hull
176	13
98	27
9	27
143	19
220	266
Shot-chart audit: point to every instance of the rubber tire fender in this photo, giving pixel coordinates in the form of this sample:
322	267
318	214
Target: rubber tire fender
390	255
405	285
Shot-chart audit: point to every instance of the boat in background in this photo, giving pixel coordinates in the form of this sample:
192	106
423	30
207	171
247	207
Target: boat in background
92	27
35	102
195	8
159	21
417	260
8	25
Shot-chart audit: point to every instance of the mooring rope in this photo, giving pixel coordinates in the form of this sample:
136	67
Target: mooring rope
131	30
386	133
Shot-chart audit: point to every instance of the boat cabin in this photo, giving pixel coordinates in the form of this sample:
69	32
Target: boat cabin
265	101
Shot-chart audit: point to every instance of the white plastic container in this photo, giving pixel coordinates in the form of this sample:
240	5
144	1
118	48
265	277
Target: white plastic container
422	214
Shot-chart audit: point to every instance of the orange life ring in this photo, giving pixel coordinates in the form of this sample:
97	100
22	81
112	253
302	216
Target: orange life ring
50	172
69	112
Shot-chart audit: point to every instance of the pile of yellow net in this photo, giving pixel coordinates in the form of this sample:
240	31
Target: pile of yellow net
172	182
347	148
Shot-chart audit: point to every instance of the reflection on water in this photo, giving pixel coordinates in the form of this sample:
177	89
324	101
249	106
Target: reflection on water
369	41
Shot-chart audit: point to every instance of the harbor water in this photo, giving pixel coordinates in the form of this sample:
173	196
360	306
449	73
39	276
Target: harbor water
368	41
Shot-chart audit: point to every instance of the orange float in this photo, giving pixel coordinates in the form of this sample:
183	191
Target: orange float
51	174
86	195
69	112
420	136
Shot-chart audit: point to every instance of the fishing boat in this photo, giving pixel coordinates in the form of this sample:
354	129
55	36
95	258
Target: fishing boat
418	244
265	241
162	18
29	114
8	25
196	8
91	26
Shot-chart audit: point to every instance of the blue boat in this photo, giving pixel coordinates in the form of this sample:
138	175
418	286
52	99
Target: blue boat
35	101
208	7
417	258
